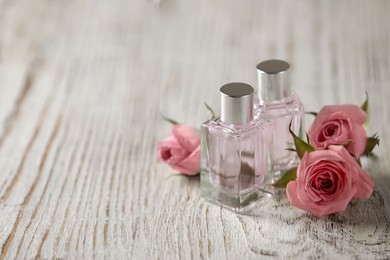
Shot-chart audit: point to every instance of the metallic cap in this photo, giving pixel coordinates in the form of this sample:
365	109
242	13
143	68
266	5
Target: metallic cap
273	79
236	103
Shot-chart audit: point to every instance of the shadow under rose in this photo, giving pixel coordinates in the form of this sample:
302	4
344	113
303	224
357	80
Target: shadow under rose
367	212
191	181
382	183
370	213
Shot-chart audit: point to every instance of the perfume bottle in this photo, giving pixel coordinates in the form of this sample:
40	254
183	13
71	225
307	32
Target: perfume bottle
236	152
276	102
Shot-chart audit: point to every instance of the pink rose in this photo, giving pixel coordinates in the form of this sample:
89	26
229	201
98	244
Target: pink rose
327	180
181	151
339	125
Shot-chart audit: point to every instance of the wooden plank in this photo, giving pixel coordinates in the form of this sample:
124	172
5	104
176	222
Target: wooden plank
82	85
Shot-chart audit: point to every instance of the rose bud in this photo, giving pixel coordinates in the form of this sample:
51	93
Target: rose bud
181	151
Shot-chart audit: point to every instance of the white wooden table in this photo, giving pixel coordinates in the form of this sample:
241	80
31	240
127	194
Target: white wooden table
82	85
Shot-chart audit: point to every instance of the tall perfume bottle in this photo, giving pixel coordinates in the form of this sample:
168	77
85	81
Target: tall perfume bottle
236	152
276	102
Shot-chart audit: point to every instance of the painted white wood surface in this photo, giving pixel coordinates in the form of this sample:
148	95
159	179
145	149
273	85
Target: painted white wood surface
82	83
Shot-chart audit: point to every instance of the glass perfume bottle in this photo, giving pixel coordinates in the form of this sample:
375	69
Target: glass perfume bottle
276	102
236	152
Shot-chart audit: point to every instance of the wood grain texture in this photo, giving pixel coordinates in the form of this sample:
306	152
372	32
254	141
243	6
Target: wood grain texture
82	85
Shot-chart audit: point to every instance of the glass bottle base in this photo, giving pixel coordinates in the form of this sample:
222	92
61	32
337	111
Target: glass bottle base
238	203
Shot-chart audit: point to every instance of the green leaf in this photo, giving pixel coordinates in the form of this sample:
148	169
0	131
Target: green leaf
290	175
169	120
365	104
365	108
210	109
371	143
300	145
311	113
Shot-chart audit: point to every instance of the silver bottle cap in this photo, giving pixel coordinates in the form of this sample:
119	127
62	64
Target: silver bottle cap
273	79
236	103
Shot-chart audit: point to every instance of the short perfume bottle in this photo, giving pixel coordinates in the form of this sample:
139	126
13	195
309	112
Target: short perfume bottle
276	102
236	151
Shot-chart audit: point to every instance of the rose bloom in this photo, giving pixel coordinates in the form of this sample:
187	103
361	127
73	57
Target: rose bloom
181	151
327	180
339	125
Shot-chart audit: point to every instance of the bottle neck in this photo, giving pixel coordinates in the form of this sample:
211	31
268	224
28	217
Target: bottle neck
281	100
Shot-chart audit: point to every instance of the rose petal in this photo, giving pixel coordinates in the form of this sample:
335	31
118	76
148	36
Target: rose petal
188	137
338	205
177	155
315	209
190	165
351	111
365	186
362	181
292	195
358	144
164	145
